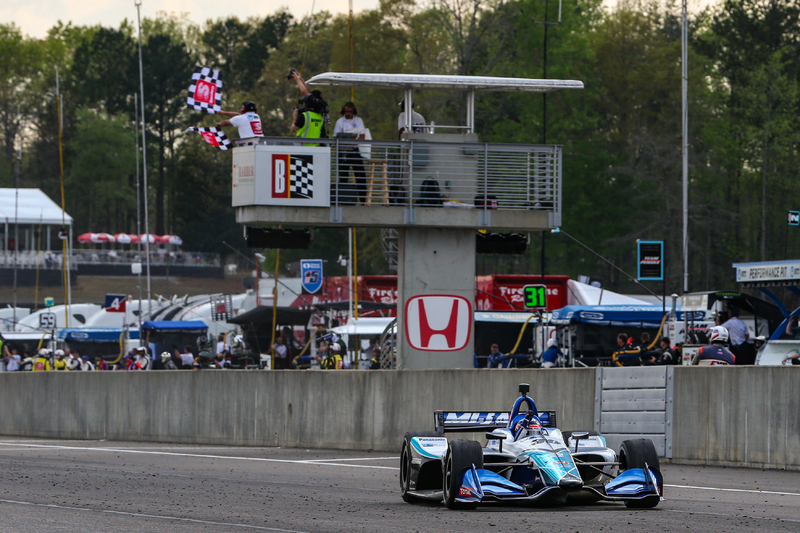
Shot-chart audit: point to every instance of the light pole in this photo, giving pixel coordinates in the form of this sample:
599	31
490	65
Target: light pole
138	4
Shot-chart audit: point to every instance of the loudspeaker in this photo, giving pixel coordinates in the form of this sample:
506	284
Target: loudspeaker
287	239
501	243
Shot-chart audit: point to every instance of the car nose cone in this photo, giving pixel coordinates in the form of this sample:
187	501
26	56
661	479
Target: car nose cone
570	483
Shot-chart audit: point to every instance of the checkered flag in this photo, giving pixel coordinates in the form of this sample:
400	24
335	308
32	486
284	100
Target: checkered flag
214	137
301	173
205	92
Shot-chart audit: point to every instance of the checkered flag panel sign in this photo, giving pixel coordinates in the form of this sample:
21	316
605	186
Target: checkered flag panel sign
293	176
205	92
214	137
302	176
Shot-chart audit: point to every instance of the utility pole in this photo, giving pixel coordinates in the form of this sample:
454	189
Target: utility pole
685	138
144	162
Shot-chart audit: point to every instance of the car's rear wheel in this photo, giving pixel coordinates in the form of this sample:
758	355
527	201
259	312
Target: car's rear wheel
634	454
461	455
405	462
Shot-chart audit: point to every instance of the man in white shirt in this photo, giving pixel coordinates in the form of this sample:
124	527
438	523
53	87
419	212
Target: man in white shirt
417	120
247	121
737	331
11	358
351	126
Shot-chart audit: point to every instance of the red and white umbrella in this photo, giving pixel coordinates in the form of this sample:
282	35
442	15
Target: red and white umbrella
124	238
170	239
148	238
86	237
102	237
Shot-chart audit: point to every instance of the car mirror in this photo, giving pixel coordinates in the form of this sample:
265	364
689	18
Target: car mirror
497	435
577	436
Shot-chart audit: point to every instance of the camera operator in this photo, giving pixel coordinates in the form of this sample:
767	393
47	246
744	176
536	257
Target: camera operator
308	120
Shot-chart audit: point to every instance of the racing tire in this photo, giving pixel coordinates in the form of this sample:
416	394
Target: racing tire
461	455
405	463
634	454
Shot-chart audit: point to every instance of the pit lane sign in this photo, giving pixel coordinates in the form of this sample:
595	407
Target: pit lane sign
768	271
650	260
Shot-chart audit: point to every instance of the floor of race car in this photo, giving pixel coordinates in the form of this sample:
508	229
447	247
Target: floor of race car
91	486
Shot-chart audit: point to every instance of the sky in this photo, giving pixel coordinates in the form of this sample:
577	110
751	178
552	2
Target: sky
35	17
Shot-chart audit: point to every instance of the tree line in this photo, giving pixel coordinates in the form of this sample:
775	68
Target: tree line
621	134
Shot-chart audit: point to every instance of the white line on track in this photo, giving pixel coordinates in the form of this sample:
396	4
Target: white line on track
159	517
328	462
198	455
355	459
749	491
733	516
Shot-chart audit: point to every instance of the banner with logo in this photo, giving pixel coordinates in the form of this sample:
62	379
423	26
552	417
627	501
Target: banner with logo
650	260
438	322
311	275
281	175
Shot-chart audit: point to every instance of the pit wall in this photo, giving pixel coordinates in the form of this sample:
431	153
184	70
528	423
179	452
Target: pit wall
737	416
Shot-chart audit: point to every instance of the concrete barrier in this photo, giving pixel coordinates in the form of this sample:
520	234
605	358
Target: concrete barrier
321	409
738	416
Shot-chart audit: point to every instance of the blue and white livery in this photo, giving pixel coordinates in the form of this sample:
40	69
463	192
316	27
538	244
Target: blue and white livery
526	458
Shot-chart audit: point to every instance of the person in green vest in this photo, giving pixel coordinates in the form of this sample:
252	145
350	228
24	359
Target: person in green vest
308	121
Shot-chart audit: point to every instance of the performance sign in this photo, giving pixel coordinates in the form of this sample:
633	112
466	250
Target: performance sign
768	271
650	260
311	274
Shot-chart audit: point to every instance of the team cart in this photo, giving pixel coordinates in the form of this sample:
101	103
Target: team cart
526	459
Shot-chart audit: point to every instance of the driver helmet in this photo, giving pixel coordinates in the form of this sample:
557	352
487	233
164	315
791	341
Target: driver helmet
552	343
166	356
718	334
534	427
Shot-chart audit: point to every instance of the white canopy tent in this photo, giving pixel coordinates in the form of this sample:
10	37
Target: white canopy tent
471	84
31	208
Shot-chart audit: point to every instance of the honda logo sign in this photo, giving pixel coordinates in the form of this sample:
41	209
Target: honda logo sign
438	323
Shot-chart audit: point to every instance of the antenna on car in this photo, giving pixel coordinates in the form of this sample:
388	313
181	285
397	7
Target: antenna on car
524	388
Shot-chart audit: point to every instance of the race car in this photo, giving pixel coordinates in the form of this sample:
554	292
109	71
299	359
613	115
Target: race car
526	459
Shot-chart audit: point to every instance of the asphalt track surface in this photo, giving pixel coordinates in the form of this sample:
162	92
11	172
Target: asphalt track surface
97	486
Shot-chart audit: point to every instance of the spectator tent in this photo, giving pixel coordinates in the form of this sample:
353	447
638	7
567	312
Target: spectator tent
30	209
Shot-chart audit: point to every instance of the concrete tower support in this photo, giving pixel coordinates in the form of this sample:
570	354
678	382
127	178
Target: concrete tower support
437	265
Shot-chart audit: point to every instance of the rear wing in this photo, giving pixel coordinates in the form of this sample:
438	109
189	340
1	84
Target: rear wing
477	421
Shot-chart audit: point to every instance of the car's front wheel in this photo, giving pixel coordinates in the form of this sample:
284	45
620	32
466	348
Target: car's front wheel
405	463
461	455
635	454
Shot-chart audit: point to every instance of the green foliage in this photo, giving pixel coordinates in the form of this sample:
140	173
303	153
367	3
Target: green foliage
99	192
621	134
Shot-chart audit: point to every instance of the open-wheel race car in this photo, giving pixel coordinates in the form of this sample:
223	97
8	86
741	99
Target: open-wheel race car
526	459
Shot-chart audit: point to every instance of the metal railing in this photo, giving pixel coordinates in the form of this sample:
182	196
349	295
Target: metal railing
440	174
52	260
